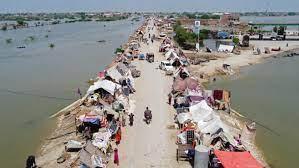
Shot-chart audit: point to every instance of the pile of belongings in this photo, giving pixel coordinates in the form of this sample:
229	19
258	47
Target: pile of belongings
91	156
74	146
101	140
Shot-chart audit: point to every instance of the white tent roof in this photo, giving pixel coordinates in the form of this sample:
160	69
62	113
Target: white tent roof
183	117
113	73
176	73
167	54
225	48
201	106
172	55
104	84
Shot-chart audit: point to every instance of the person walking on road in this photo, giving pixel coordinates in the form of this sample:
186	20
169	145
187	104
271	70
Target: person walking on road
116	158
169	98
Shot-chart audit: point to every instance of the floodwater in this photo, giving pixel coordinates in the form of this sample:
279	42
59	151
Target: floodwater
271	19
38	81
268	93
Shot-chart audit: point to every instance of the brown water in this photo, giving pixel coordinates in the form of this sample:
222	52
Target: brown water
268	93
37	81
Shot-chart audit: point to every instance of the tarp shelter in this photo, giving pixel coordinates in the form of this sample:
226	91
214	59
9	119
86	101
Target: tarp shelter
107	85
181	71
225	48
201	159
175	61
181	85
168	53
194	96
183	117
237	159
122	69
91	118
114	74
171	54
191	83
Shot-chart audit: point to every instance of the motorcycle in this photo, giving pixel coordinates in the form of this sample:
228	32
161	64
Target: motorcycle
147	116
148	119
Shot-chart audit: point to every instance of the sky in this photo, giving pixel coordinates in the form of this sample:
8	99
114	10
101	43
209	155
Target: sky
11	6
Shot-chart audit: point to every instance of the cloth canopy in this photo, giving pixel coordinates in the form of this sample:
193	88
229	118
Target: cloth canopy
181	85
225	48
94	119
122	69
114	74
171	55
104	84
237	159
168	53
181	69
183	117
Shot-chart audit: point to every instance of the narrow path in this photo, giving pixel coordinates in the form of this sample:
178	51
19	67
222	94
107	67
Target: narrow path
150	145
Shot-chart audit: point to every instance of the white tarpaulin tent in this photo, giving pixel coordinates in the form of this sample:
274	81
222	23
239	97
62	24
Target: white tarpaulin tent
201	106
183	117
181	69
104	84
172	55
168	53
114	74
225	48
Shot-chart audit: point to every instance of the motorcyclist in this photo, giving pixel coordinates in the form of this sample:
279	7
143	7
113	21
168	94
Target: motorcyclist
147	113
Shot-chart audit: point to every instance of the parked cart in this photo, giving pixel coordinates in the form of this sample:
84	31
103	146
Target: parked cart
181	151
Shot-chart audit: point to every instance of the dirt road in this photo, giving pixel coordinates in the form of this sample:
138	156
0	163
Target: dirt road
150	145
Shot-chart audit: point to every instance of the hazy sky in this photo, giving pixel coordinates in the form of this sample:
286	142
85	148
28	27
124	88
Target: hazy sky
147	5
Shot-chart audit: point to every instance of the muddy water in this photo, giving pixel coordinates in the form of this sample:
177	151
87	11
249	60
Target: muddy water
37	81
268	93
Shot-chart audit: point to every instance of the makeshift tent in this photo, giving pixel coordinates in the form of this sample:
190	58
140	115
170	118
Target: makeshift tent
225	48
181	72
171	55
181	85
201	106
201	159
122	69
191	83
107	85
183	117
237	159
114	74
94	119
168	53
175	61
194	96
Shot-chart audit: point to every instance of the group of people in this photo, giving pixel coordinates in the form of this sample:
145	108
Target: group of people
147	115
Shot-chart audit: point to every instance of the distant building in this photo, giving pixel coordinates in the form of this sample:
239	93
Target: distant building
292	32
229	19
209	22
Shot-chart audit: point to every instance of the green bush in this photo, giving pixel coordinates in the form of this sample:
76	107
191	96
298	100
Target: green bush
236	40
183	37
